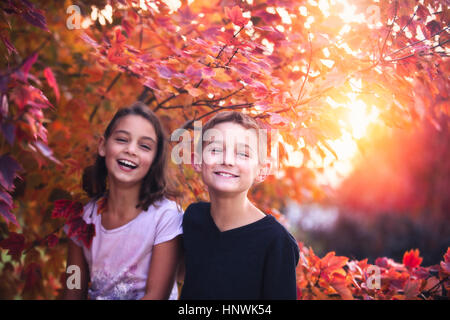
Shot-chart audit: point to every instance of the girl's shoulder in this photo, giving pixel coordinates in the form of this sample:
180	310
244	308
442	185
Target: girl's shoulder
164	207
91	210
163	204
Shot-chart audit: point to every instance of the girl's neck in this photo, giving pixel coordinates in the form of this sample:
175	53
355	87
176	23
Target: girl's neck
232	212
122	202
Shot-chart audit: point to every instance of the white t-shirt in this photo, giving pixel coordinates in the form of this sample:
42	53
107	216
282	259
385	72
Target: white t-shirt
119	258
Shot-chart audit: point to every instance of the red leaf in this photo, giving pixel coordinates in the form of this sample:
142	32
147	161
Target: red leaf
15	244
33	276
445	265
127	26
411	259
52	240
67	209
116	55
88	234
275	118
76	225
433	27
235	15
151	83
81	230
51	81
422	12
28	64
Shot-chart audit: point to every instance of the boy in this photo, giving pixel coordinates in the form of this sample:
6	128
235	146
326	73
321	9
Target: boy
232	249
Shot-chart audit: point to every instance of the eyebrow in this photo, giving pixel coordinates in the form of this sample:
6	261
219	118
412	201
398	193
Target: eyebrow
127	133
238	144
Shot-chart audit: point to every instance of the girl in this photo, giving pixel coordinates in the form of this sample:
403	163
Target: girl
136	247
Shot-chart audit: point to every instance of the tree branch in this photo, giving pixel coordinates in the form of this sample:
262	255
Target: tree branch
113	82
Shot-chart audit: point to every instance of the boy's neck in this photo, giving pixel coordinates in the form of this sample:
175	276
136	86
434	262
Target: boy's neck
233	212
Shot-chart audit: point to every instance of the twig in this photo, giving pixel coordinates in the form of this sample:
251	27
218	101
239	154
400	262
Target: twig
389	33
113	82
307	72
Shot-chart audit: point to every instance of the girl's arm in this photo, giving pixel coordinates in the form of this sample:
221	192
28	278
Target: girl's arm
163	268
75	257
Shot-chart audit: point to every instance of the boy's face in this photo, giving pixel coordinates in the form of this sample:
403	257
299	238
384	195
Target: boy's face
230	161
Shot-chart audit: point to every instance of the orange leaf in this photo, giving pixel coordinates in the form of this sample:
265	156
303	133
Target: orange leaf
235	15
340	284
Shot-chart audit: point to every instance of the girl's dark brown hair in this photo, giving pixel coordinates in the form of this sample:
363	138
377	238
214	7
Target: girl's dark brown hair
155	184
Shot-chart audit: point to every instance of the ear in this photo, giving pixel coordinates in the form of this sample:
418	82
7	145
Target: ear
263	172
102	147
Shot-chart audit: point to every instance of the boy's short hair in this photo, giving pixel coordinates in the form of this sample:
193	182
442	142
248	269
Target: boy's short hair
232	116
228	116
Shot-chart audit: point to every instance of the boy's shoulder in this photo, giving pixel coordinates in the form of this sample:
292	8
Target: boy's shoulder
198	206
277	234
197	209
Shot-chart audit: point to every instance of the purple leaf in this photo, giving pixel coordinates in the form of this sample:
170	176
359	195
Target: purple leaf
8	45
9	132
6	198
5	212
36	18
164	72
8	171
222	85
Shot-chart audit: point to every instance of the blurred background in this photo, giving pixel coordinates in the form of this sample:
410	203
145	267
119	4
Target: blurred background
393	196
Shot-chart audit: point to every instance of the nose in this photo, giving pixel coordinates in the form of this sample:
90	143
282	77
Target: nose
228	157
131	148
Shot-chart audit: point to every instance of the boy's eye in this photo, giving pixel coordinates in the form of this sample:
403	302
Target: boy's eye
216	150
243	154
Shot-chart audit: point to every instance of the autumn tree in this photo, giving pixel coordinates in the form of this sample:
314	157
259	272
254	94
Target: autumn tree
296	66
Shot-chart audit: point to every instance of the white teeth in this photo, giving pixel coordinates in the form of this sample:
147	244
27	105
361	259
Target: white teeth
223	174
127	163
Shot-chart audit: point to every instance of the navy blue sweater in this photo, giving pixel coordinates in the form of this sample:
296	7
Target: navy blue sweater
255	261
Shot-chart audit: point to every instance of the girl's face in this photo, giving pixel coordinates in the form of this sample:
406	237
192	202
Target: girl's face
130	150
230	159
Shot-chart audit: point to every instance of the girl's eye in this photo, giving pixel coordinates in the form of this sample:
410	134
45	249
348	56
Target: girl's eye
215	150
146	147
121	139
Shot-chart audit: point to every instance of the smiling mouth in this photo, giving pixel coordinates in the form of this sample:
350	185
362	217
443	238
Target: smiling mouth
225	174
127	163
